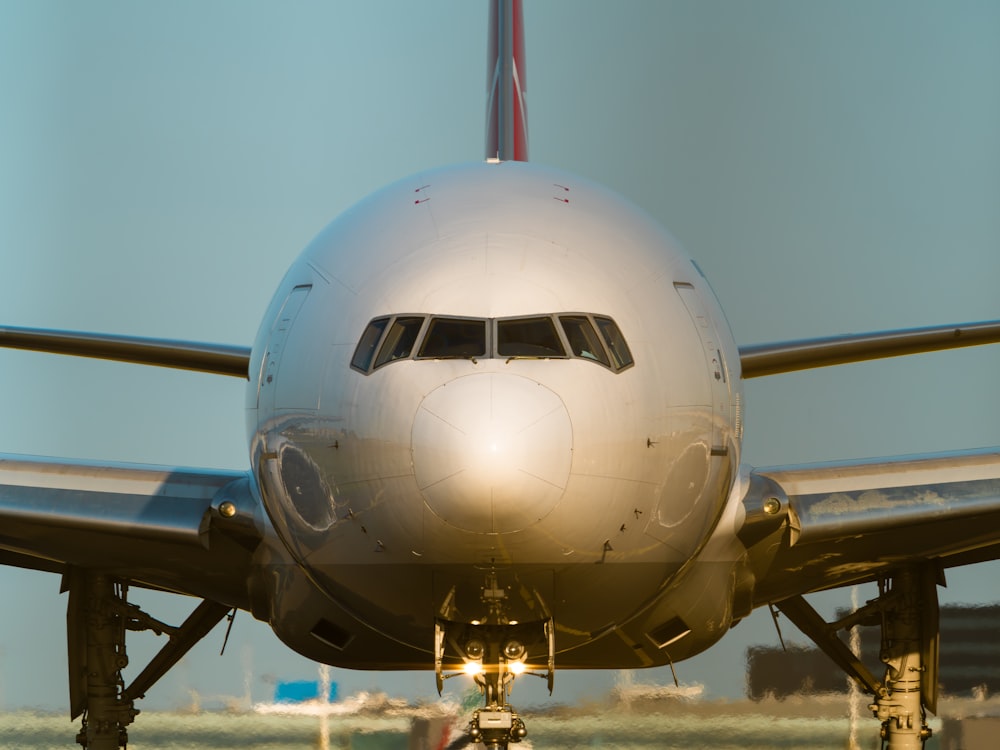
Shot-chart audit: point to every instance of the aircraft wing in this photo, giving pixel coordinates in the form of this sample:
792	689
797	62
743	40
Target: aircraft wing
218	359
821	526
759	360
184	530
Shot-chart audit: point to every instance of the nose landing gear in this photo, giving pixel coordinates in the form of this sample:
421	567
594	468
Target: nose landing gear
494	653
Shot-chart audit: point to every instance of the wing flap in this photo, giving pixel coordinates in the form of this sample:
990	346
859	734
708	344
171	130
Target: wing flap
851	522
155	526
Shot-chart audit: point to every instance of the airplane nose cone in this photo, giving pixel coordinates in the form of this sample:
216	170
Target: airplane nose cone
492	452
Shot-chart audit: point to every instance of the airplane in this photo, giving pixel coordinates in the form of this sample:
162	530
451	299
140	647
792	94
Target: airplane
655	566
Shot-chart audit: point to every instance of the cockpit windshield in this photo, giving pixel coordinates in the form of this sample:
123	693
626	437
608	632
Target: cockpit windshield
594	338
454	338
528	337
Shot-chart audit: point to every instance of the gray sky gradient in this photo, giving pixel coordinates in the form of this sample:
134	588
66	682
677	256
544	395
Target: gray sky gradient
833	167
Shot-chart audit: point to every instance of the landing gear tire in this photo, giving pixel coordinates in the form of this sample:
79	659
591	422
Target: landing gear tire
496	727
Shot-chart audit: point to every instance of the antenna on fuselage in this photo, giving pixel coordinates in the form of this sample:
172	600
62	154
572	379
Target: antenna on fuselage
506	109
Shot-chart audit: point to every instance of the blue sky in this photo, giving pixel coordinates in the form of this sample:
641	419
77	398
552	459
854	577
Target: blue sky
833	167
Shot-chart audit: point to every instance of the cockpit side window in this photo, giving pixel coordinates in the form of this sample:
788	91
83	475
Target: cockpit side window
616	342
528	337
399	341
362	358
583	339
454	338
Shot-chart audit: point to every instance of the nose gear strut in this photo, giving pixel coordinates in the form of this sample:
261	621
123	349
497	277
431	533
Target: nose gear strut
494	651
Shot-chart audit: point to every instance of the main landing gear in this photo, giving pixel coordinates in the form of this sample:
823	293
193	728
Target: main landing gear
907	611
97	619
493	651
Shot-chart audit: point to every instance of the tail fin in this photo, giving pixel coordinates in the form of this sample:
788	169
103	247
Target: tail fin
506	109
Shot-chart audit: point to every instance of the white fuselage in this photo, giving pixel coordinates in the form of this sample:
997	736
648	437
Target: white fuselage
585	489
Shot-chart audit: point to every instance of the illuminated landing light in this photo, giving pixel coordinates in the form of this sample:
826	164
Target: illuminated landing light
516	667
472	668
492	452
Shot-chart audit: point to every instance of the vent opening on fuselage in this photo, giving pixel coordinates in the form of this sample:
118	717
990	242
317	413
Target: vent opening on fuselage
330	634
669	632
595	338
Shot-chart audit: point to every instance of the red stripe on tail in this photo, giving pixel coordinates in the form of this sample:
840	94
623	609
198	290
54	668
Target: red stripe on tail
506	84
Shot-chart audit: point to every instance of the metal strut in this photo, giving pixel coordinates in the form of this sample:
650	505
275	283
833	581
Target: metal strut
907	611
97	690
909	652
97	619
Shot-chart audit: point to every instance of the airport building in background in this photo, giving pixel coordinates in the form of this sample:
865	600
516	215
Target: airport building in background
970	659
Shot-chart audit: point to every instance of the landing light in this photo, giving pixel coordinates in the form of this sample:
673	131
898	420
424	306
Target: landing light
475	649
513	650
516	667
472	668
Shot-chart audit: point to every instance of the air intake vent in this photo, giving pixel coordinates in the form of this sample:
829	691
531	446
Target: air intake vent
330	634
669	632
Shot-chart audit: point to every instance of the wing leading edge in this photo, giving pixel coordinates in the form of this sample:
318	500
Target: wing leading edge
760	360
821	526
217	359
185	530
